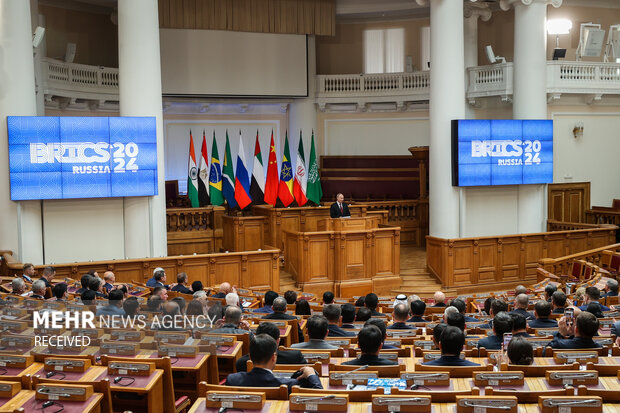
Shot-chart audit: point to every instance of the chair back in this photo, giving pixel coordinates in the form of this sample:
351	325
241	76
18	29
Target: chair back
536	370
354	395
455	371
100	386
271	393
382	371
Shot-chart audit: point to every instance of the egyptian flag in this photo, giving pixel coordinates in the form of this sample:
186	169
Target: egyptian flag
203	174
301	175
192	175
272	181
242	180
285	189
257	186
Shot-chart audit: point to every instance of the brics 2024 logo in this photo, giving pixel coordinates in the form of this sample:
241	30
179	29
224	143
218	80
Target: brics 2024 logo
509	152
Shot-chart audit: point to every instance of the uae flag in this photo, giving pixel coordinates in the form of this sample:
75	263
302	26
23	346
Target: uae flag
203	173
301	175
285	189
271	183
257	186
314	191
192	175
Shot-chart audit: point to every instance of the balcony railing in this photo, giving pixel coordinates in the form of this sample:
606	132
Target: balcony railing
79	81
494	80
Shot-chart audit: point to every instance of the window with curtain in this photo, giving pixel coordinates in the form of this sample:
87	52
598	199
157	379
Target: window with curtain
384	50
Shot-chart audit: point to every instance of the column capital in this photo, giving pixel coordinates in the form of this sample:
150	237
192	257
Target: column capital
422	2
506	4
476	10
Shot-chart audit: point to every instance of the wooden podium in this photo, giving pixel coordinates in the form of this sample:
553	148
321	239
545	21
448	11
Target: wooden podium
350	256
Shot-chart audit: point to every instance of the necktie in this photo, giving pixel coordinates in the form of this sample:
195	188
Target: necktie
341	210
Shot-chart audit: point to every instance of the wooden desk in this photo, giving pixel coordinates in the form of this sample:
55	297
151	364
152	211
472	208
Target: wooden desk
187	372
271	406
25	399
19	372
94	373
150	386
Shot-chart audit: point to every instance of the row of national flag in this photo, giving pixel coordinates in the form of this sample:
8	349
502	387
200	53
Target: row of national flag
212	185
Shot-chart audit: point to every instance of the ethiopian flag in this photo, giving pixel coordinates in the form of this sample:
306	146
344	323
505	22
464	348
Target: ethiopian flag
285	189
192	175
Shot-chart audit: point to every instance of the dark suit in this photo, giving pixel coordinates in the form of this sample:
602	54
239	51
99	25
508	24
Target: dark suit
417	319
180	288
371	360
375	313
315	344
219	295
284	316
524	313
611	294
439	305
490	343
521	335
603	307
265	310
559	310
284	357
335	331
108	287
47	283
615	328
469	319
400	326
264	378
450	361
572	343
37	296
542	323
334	211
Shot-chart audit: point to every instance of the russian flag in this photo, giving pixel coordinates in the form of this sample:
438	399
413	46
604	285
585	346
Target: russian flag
242	179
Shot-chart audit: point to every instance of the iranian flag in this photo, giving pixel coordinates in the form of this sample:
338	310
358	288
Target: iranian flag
192	175
301	176
257	186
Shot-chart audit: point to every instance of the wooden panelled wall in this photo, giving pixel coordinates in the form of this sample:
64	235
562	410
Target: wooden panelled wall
194	230
568	202
263	16
466	263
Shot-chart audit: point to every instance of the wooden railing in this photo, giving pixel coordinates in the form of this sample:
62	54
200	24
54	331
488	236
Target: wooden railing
194	230
467	263
561	265
603	215
553	225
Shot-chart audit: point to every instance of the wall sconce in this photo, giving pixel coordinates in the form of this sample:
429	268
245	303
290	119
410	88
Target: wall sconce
578	130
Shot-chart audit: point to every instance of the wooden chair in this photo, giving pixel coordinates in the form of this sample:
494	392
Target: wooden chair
100	386
40	358
244	338
455	371
401	352
271	393
171	403
338	352
382	371
354	395
289	367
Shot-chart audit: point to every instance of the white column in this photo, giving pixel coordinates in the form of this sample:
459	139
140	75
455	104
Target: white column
447	102
140	95
302	112
20	222
472	11
530	98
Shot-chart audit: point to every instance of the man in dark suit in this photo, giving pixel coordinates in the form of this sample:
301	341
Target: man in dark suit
328	297
577	335
611	288
284	356
370	341
347	312
451	345
496	306
502	323
593	294
461	306
332	313
181	286
520	306
455	319
372	302
380	324
29	273
317	331
339	209
519	325
440	299
48	275
232	323
542	311
38	290
263	353
399	315
558	302
418	307
279	313
270	296
549	290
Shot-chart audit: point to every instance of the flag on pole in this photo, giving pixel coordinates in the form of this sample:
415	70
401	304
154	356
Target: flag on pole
215	176
192	174
285	189
228	177
203	173
242	179
314	191
301	175
257	186
271	183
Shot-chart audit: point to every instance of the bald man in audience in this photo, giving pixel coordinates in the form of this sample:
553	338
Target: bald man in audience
38	290
439	298
232	323
109	279
399	316
224	289
520	306
18	286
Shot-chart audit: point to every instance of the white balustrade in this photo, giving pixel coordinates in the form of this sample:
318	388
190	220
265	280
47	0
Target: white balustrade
373	84
79	81
492	80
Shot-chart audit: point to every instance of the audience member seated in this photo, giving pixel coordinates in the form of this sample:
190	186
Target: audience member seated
284	356
181	286
401	299
333	314
549	290
456	319
439	299
18	286
38	289
96	285
290	296
269	297
399	316
59	291
160	280
109	279
418	307
520	289
486	307
84	283
451	345
29	273
170	310
496	306
363	314
48	275
520	306
502	323
611	288
462	306
328	297
232	299
279	313
317	331
437	331
542	311
302	307
558	302
224	289
347	311
115	305
197	287
232	323
181	302
372	302
153	303
215	313
160	292
263	353
577	335
594	308
131	306
520	351
152	282
380	323
195	307
593	294
519	325
449	310
88	297
360	301
370	342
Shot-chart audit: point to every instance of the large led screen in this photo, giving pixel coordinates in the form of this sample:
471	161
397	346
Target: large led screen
502	152
82	157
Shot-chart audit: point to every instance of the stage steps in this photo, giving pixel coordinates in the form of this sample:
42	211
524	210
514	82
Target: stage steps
420	282
287	282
